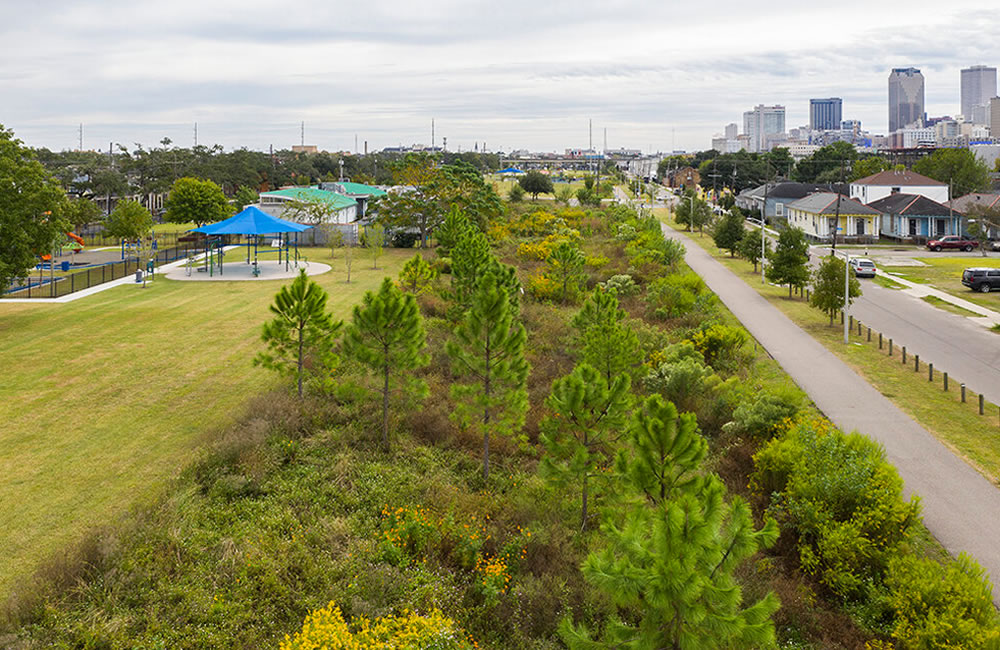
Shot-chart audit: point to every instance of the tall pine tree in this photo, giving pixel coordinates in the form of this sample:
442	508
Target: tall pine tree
488	349
671	559
579	437
387	335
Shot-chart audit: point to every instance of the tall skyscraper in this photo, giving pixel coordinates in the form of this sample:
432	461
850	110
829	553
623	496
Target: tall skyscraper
995	116
979	84
906	98
825	114
732	131
761	122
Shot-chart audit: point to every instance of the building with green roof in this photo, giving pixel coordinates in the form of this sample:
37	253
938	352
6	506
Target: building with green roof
360	192
341	209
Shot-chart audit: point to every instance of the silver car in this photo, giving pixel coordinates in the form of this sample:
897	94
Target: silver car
863	267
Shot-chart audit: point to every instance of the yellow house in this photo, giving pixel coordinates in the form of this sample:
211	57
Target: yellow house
822	214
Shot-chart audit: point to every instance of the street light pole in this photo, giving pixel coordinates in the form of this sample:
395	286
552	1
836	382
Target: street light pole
763	240
847	292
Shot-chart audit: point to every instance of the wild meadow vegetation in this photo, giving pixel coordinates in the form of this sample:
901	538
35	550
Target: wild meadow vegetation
545	432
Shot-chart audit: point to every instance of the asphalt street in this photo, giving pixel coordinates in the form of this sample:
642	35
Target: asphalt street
959	506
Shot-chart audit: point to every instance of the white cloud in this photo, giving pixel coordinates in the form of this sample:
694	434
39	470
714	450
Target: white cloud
513	74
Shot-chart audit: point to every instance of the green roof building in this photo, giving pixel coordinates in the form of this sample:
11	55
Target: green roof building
340	209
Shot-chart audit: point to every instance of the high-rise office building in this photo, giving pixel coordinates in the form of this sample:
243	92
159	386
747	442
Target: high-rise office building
761	122
979	84
906	98
995	117
732	130
825	114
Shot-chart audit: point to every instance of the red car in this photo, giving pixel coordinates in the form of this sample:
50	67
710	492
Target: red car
952	241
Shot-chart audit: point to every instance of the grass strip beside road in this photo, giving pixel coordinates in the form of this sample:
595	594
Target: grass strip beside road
959	426
945	273
105	398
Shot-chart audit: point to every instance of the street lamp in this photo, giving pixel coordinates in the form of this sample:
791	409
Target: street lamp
847	291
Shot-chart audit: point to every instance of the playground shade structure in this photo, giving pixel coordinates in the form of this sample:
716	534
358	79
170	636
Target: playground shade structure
252	221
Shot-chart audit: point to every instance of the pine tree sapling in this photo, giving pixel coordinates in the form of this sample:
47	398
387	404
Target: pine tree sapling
600	307
566	267
579	437
387	336
469	257
828	287
417	275
670	561
302	336
448	233
488	350
789	264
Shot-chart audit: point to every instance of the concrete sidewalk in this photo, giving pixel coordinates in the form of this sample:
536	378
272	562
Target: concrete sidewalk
959	506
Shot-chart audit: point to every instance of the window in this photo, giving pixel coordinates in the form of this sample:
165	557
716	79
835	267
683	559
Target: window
779	209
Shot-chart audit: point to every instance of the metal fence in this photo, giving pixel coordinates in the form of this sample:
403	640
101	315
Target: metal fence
50	286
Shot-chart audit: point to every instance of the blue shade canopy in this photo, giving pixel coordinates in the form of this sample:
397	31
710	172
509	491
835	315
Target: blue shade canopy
252	221
510	170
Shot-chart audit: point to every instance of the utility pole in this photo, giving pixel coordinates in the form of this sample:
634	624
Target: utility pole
196	134
302	134
847	291
763	221
836	219
432	133
81	137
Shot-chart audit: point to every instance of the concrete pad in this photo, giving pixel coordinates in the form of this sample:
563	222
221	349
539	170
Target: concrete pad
241	271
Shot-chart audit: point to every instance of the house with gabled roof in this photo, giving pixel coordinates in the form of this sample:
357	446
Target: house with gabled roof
970	204
340	209
822	214
880	185
915	218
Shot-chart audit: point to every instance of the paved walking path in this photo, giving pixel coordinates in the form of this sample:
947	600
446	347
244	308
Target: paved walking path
959	506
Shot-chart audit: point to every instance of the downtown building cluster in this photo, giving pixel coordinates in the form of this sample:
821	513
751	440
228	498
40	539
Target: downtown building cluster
909	126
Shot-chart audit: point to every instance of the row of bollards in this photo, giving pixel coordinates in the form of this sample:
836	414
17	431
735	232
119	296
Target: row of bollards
916	361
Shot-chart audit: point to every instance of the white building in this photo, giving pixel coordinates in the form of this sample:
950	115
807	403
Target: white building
880	185
762	122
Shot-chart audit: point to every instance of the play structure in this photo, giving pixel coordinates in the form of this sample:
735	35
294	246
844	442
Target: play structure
253	223
74	245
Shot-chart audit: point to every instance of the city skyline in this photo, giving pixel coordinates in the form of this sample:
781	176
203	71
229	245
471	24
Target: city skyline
657	78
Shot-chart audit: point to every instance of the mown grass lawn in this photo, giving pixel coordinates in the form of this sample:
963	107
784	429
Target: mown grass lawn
945	273
104	398
957	425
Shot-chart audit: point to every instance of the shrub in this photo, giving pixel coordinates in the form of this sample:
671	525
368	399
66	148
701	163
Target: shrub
762	416
678	294
326	628
941	606
596	261
719	343
404	239
681	382
516	194
842	499
622	283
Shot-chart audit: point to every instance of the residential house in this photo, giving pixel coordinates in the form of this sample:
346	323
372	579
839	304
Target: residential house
780	195
970	202
880	185
686	177
915	218
823	213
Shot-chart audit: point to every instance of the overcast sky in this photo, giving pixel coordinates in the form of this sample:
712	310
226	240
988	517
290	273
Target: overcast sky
512	74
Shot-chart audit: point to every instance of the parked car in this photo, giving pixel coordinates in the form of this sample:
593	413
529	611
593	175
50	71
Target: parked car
979	279
953	242
863	267
995	245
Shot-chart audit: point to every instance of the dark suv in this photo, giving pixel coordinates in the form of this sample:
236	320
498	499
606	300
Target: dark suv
981	279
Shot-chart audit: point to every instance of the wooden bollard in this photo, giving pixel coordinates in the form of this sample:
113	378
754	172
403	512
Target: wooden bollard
963	393
869	335
930	372
916	363
981	405
904	354
890	347
946	381
880	340
850	322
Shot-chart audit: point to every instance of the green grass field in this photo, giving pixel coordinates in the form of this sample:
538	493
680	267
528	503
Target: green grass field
957	425
945	273
105	398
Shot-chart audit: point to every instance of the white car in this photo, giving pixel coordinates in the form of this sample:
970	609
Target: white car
863	267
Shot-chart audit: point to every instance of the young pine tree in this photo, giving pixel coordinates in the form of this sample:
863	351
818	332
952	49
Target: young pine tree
671	559
387	335
566	268
469	257
417	275
579	437
828	287
302	335
448	233
600	307
789	264
488	349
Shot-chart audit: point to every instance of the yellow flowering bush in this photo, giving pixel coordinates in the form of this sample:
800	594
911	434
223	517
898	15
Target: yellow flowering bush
543	288
326	629
407	531
536	250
